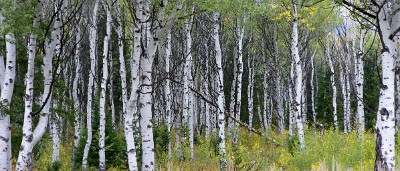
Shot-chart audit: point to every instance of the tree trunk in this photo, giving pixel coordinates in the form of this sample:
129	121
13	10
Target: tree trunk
240	35
77	109
54	130
250	91
344	96
265	88
385	128
25	153
314	114
298	74
92	41
360	84
220	90
7	89
334	94
102	133
232	103
207	112
187	114
168	98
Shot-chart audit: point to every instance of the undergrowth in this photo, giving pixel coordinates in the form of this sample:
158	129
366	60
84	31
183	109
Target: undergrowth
331	151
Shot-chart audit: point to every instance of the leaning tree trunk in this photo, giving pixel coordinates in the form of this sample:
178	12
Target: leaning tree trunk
298	73
25	154
92	42
129	107
220	90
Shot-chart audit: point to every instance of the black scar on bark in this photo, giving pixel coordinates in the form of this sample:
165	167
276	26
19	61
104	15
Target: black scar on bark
4	139
384	87
384	112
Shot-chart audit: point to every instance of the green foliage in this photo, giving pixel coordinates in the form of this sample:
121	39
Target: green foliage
254	152
54	166
161	140
335	148
18	17
115	143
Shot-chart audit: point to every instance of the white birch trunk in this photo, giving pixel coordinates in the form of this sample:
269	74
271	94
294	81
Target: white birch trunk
359	64
168	98
54	130
232	95
77	109
385	130
145	98
259	112
265	88
2	67
103	87
111	89
127	109
7	89
278	88
240	35
303	101
334	94
250	90
187	114
207	112
25	152
220	90
347	80
51	46
314	114
298	73
92	42
344	95
290	107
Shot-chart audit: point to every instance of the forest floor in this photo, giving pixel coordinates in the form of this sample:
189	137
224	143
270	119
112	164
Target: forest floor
330	151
